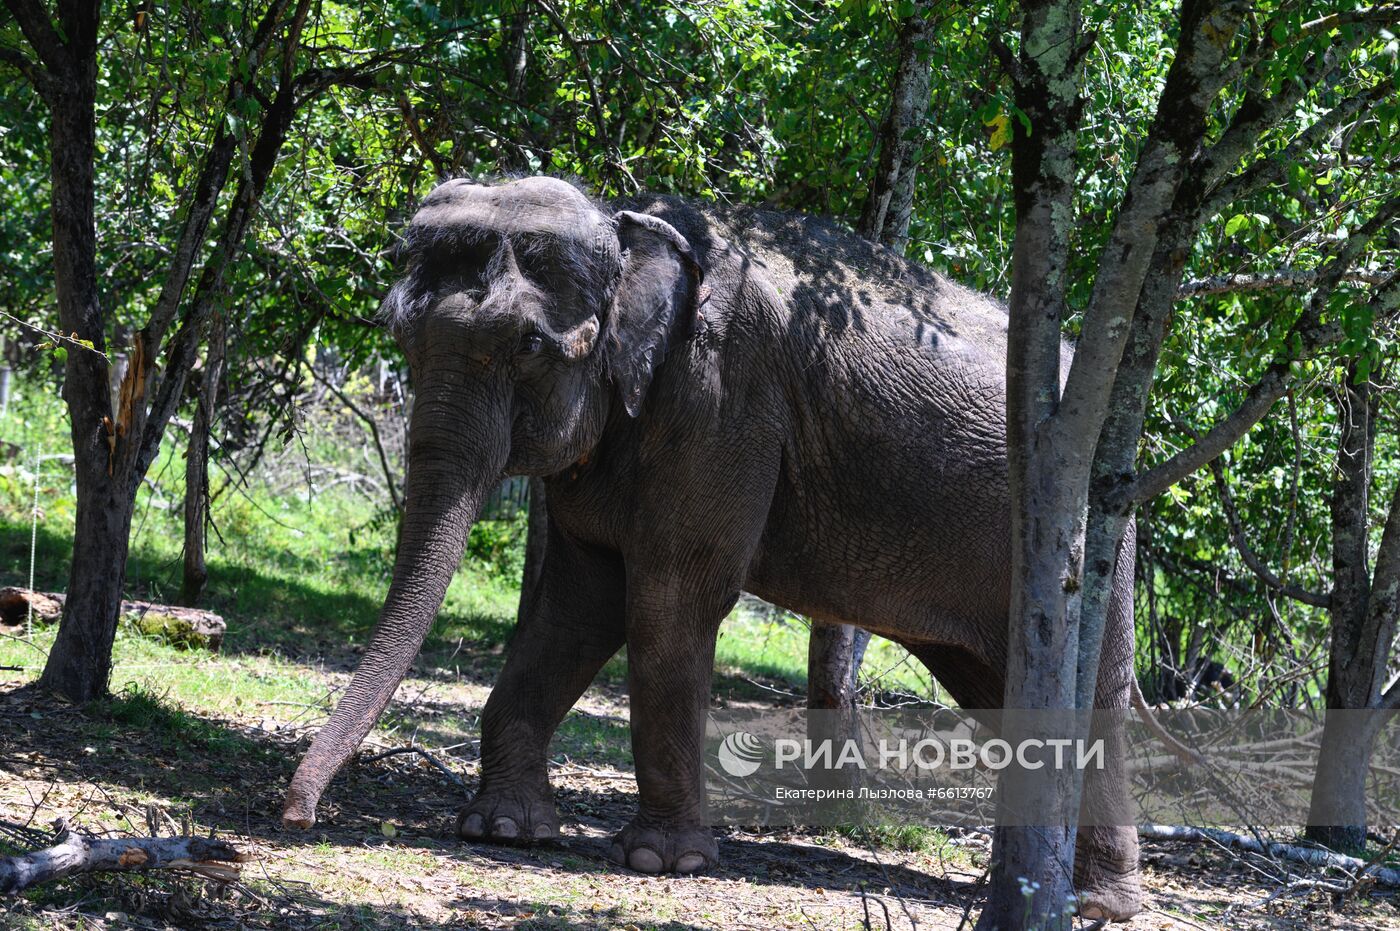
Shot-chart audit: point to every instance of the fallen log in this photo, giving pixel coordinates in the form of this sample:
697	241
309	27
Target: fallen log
17	605
1312	856
74	853
191	628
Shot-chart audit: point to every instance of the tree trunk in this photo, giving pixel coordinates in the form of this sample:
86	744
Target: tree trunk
5	376
80	661
1033	845
834	652
196	573
114	444
890	203
536	535
1337	814
1357	661
833	665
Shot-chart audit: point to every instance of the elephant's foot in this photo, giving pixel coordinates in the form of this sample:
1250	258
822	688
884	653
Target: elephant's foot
511	814
1106	893
648	847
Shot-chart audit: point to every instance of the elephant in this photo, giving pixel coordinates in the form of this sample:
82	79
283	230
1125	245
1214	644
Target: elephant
719	399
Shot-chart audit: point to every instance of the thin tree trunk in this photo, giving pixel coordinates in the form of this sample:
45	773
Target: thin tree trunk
515	51
833	665
112	453
5	376
80	661
196	573
536	535
1033	844
890	203
834	652
1357	663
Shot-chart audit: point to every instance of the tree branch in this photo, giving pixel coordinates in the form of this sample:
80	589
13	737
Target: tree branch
1383	605
77	853
374	433
1310	332
203	196
1192	85
1007	58
600	124
1251	560
39	31
1372	16
37	75
1310	855
246	200
1279	278
1270	170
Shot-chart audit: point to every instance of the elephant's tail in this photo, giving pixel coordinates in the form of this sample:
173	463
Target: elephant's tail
1186	754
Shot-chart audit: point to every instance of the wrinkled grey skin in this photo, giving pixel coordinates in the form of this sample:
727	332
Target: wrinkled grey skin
819	422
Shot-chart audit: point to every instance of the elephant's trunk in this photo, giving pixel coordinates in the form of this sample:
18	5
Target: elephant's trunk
456	456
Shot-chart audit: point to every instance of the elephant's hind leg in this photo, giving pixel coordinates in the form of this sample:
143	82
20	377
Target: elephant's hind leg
1106	847
973	682
575	625
1106	872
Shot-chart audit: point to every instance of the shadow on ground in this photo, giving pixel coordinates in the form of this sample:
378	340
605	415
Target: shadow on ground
115	754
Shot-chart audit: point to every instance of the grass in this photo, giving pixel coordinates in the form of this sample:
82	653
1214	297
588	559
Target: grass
916	838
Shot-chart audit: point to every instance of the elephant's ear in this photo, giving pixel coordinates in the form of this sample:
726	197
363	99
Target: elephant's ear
654	301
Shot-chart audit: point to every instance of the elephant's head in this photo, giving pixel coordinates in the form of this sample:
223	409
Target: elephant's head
528	315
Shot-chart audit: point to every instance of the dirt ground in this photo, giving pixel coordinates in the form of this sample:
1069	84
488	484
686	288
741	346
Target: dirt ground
384	855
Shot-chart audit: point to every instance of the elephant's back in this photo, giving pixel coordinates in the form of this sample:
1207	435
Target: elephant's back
835	284
893	387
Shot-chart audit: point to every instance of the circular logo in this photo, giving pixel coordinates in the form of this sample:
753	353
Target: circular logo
740	754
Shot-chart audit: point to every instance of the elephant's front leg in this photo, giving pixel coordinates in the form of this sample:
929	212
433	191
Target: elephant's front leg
575	625
670	658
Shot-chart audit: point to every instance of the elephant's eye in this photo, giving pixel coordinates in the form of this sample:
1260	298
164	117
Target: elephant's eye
531	344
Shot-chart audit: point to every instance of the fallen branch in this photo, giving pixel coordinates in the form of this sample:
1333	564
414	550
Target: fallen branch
77	853
1312	856
441	766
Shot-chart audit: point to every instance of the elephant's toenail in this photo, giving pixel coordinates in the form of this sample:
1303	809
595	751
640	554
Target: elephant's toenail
505	828
690	863
617	854
544	830
473	825
644	860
